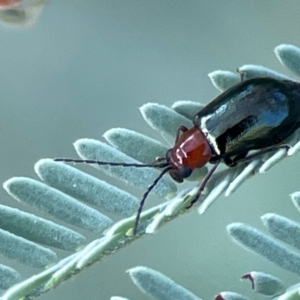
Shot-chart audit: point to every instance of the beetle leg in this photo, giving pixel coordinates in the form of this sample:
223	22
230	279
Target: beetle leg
238	159
181	129
203	184
233	162
263	151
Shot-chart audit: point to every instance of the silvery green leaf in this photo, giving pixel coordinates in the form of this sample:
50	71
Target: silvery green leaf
137	177
107	244
20	17
125	226
219	183
223	80
85	187
290	295
248	171
287	149
8	277
296	199
294	149
169	209
250	71
34	285
164	119
187	108
27	252
283	229
230	296
92	253
212	196
56	203
265	284
289	56
273	160
158	285
135	145
39	230
267	247
65	267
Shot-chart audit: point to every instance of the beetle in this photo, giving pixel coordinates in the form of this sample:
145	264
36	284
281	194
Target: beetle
255	114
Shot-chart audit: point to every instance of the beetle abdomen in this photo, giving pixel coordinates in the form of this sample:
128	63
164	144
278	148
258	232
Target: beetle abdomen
257	113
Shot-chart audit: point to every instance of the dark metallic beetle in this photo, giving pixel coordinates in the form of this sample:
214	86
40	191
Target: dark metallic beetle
255	114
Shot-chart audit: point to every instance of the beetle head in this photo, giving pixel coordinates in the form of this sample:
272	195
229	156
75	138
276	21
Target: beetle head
192	150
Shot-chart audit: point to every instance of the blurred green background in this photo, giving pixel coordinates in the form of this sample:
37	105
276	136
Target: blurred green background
87	66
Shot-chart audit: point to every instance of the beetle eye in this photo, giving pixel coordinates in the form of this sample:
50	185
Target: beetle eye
185	172
180	174
169	155
174	173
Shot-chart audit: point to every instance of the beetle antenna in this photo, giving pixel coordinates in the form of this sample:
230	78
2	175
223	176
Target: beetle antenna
114	164
139	211
155	164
